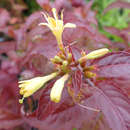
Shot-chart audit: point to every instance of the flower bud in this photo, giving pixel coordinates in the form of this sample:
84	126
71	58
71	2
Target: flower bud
69	57
97	53
89	74
64	66
58	59
94	54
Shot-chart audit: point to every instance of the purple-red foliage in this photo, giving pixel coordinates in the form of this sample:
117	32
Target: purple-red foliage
25	51
123	33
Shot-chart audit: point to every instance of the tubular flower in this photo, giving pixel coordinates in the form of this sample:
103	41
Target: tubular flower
56	25
57	89
28	87
94	54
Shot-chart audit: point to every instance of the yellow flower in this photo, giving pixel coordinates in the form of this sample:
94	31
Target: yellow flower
56	25
57	89
28	87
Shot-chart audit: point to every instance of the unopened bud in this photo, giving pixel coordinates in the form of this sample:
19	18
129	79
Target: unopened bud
89	68
97	53
65	63
69	57
89	74
61	55
58	59
64	66
94	54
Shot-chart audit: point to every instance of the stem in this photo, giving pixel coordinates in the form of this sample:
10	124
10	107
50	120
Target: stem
61	47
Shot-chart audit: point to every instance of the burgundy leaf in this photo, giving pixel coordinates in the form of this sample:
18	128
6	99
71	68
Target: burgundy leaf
115	66
123	33
77	3
32	19
113	104
93	33
9	106
4	76
8	120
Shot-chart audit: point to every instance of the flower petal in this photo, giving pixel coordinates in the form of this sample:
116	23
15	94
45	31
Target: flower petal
45	24
54	13
70	25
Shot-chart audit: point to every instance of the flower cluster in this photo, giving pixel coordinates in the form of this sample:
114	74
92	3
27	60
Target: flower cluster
63	62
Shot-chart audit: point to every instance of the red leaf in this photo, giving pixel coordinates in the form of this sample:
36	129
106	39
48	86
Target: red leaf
4	76
113	104
32	19
9	107
77	3
123	33
116	66
95	35
8	120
